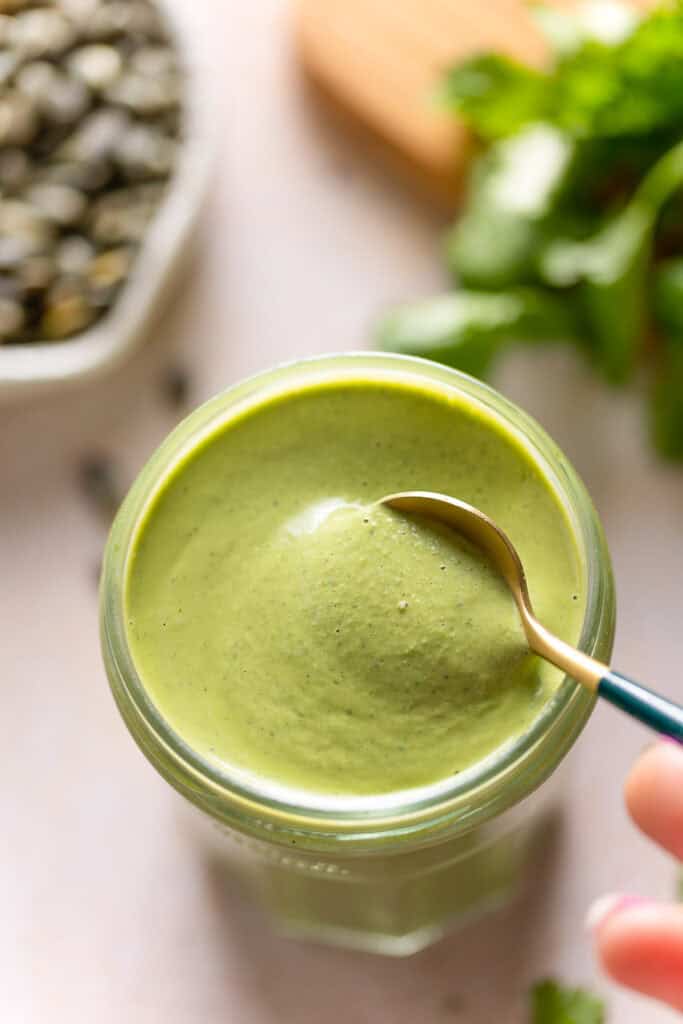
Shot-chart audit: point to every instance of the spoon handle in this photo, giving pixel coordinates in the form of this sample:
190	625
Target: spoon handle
648	707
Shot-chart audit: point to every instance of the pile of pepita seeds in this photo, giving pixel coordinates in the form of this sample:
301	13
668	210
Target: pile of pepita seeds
90	123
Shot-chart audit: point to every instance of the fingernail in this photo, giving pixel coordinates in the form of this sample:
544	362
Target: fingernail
604	907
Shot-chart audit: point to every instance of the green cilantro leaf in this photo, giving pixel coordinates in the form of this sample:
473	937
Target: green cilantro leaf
468	329
496	95
632	86
551	1003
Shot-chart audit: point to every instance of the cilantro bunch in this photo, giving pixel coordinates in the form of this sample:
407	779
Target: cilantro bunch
573	225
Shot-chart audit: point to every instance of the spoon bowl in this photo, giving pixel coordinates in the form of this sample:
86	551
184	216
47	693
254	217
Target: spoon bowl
485	534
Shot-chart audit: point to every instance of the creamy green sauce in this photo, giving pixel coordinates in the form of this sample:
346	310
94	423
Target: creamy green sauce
286	625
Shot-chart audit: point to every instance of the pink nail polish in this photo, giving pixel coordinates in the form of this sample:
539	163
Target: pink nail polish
605	906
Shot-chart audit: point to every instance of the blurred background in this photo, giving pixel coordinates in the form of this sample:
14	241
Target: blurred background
305	241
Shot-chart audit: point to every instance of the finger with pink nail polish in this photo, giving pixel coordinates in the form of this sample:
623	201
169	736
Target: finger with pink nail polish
640	944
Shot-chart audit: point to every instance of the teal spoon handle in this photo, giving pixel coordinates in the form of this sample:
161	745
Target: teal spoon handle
648	707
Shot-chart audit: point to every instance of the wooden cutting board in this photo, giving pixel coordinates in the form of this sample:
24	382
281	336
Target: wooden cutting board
379	62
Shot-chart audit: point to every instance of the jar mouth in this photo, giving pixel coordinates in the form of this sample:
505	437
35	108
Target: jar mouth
499	780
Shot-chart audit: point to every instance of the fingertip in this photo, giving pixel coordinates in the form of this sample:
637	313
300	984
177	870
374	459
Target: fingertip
654	795
640	945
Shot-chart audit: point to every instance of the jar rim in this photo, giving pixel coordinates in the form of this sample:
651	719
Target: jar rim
506	776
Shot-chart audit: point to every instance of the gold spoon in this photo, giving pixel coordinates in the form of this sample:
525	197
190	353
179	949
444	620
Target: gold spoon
655	711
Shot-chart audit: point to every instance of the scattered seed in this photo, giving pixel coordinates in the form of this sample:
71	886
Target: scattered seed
74	255
14	169
98	66
40	32
11	317
66	314
18	119
97	573
175	387
36	273
59	203
98	479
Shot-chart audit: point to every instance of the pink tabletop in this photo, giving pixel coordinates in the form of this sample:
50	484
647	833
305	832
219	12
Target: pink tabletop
108	914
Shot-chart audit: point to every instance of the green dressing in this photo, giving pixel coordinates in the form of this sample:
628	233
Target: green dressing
286	625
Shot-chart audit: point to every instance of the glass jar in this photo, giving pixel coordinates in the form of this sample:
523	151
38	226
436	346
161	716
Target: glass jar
394	872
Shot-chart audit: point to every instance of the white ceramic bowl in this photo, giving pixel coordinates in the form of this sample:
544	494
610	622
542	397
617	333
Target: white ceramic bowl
41	366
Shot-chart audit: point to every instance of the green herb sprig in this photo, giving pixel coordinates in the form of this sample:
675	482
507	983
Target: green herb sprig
552	1003
573	226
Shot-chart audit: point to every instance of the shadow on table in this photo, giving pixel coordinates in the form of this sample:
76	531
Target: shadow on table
478	975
